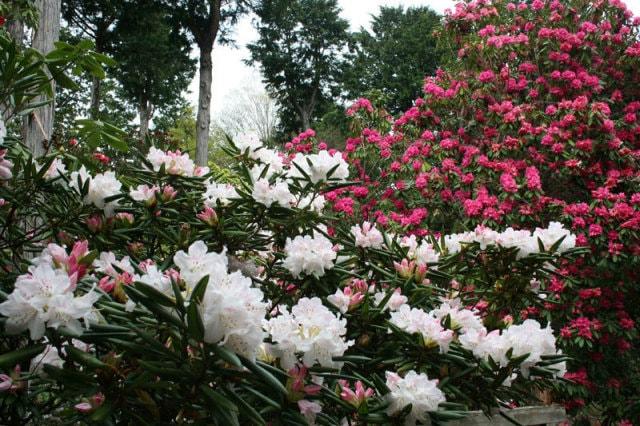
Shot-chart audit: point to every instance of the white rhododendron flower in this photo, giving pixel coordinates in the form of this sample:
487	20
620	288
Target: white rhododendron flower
222	192
416	390
423	252
248	141
309	329
394	303
485	236
311	255
45	298
454	242
55	169
317	167
315	204
157	279
232	310
3	130
107	263
462	319
198	262
526	338
144	193
270	157
50	356
232	314
101	186
525	241
413	320
175	163
267	194
530	338
309	409
340	300
367	235
518	238
552	234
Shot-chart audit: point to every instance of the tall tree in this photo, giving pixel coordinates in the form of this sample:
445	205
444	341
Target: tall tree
154	67
394	57
38	125
299	52
95	20
206	21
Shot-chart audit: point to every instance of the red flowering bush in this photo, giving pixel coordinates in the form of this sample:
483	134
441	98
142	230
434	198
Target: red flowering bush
536	120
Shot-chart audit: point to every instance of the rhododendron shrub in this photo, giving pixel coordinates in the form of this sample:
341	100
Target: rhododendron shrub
535	121
160	293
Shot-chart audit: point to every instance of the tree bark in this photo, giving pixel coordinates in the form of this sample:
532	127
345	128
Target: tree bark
38	126
94	109
145	111
203	118
16	30
206	37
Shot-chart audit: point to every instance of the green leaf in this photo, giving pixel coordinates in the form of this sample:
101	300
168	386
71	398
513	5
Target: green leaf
264	375
84	358
155	295
10	359
227	355
246	409
195	325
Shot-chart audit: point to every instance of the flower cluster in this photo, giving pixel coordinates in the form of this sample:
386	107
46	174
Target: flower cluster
319	167
412	320
46	296
526	242
174	163
100	187
367	235
413	389
309	254
529	338
219	193
309	329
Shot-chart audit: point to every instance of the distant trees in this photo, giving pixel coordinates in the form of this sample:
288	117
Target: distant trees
312	65
95	20
299	52
393	57
154	67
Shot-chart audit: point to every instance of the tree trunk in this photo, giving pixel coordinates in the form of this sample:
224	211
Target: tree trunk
203	118
94	109
38	125
145	111
16	30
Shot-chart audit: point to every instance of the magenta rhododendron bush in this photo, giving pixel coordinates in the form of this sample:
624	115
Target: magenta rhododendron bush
536	121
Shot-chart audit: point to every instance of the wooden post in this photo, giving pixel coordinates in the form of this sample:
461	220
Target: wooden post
526	416
38	126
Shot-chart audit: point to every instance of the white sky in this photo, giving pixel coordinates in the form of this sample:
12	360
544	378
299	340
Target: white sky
229	72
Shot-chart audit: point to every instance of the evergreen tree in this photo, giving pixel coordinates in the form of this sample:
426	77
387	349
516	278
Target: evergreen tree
154	67
94	20
393	58
299	52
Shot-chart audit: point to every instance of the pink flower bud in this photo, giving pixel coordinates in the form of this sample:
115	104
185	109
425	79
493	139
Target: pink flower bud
208	216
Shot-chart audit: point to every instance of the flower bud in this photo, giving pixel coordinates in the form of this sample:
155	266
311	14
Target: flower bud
208	216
